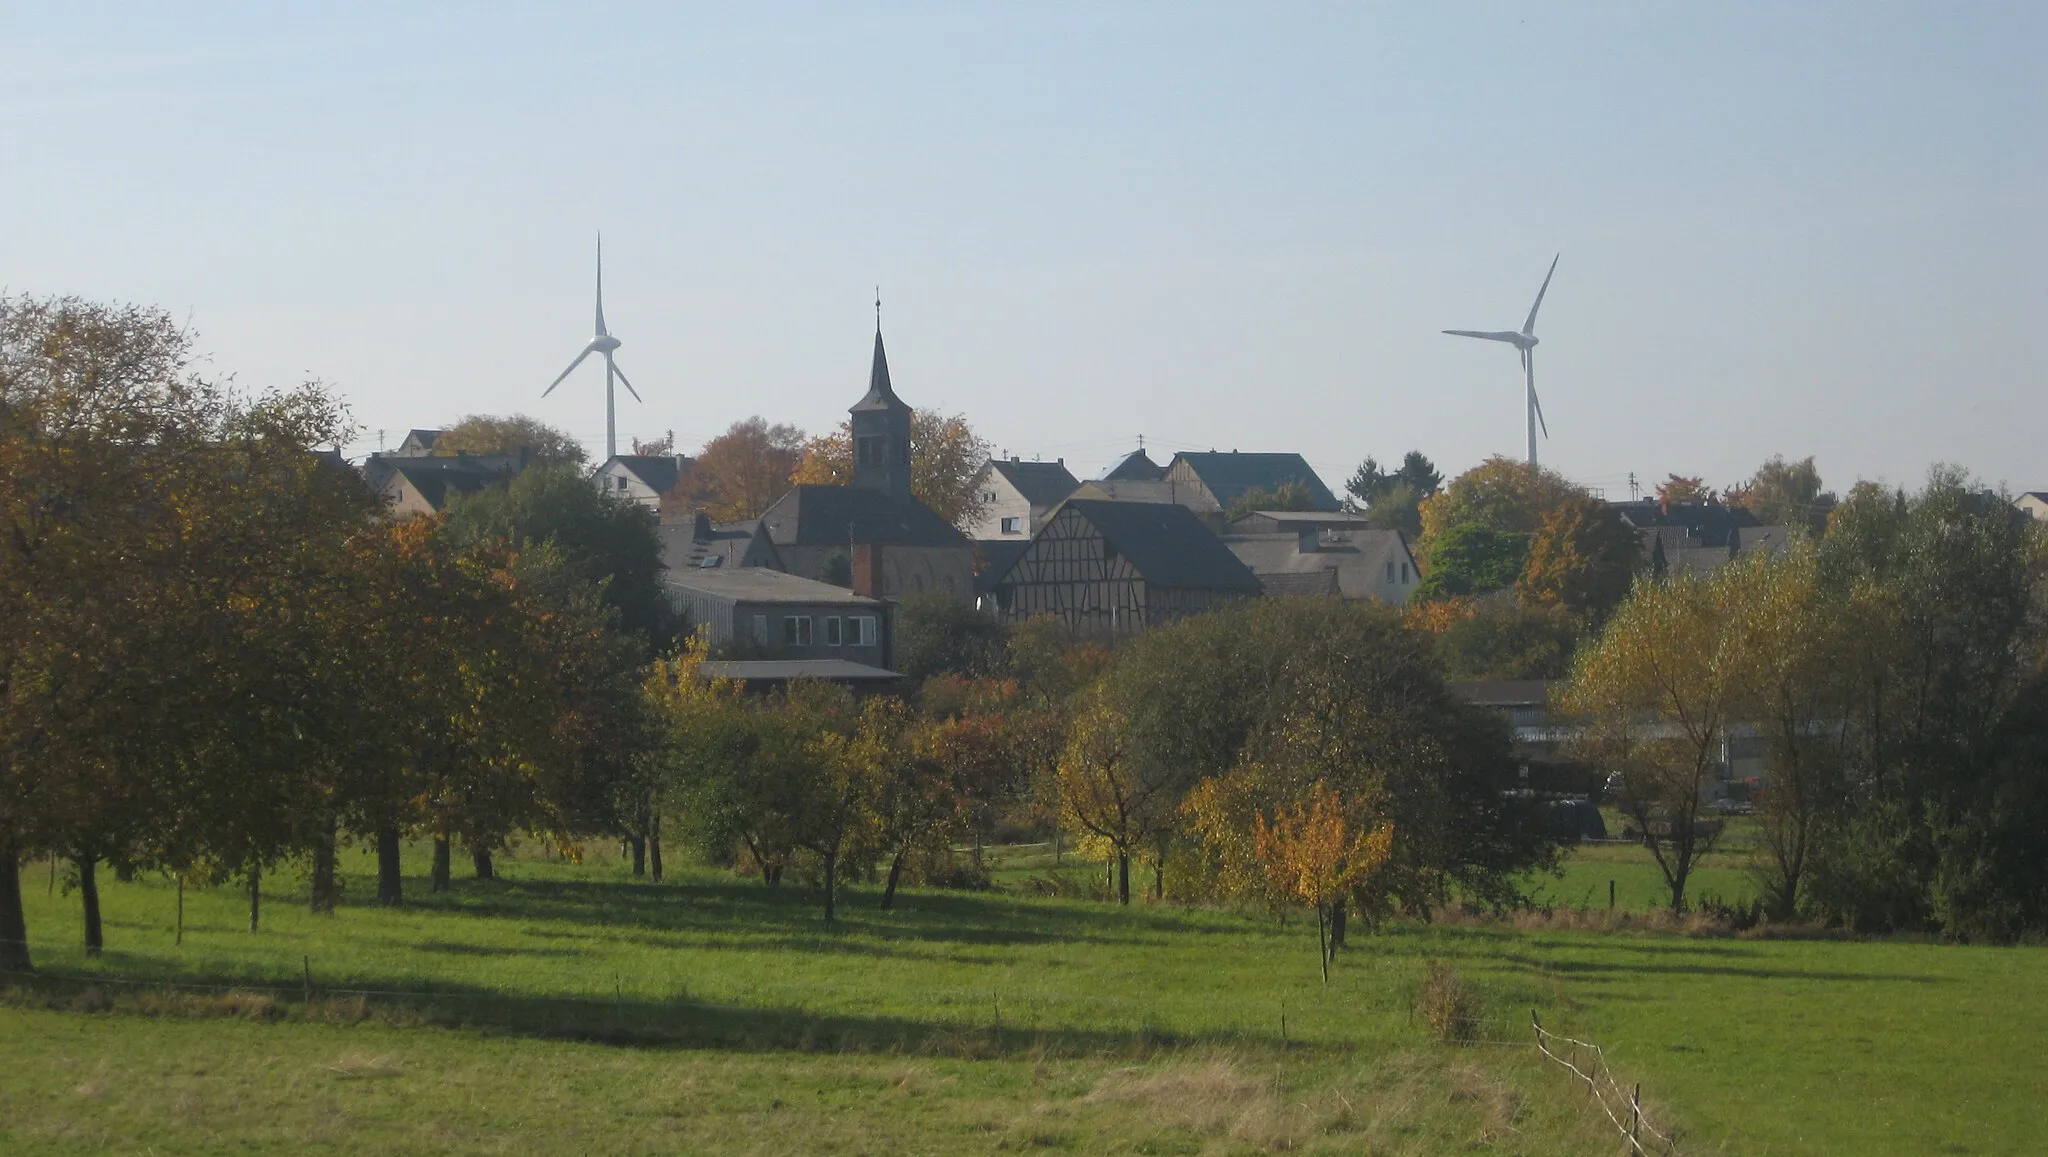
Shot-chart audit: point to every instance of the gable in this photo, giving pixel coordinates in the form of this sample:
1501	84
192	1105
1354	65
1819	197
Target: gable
1167	544
1230	476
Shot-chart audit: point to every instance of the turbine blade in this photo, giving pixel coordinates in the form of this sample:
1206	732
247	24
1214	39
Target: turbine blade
1529	366
567	372
1481	334
622	378
1529	327
600	284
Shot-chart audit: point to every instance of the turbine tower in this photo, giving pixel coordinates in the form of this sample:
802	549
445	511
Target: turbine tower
602	343
1524	341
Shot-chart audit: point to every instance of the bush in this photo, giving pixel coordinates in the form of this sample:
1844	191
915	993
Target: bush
1449	1004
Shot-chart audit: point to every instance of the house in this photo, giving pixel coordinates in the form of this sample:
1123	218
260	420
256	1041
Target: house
1213	482
872	535
1016	497
757	613
643	478
418	444
1296	521
700	543
1110	569
1136	466
1353	563
2034	503
414	486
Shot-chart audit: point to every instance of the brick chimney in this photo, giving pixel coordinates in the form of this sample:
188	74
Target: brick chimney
867	570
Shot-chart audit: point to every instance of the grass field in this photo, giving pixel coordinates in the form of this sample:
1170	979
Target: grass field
568	1008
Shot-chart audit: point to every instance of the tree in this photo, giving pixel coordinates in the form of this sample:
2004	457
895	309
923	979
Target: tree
661	447
1500	494
1678	488
1286	496
1496	638
1471	559
938	632
1783	493
1106	792
743	471
848	763
1583	558
1655	695
1316	856
1417	474
946	457
512	434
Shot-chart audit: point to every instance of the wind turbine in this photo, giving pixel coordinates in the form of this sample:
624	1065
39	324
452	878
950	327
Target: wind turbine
1524	341
602	343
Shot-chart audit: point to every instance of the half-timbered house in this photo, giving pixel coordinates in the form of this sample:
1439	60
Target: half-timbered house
1110	569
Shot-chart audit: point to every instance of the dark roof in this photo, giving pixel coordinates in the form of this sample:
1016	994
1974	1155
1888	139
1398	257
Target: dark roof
424	439
1706	524
700	544
1041	483
439	479
811	515
1319	582
757	584
881	395
1136	466
996	556
780	670
1230	476
1301	520
1168	544
658	471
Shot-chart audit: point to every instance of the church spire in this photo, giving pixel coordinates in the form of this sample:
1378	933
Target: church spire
881	428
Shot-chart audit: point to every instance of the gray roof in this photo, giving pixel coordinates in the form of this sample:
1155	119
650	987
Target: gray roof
1301	519
696	543
1167	543
658	471
812	515
1230	476
1354	559
881	395
777	670
1136	466
1041	483
756	584
1134	490
439	479
996	556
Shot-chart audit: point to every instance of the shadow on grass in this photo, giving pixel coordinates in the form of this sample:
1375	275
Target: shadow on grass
1594	971
679	1023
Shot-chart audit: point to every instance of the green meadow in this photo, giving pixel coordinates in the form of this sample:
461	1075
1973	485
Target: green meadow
567	1007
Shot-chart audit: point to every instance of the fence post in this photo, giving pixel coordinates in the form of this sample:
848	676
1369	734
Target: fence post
306	964
1635	1115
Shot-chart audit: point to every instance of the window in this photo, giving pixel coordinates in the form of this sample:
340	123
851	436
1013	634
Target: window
1390	570
622	482
832	631
1013	526
1404	573
860	631
796	631
873	451
761	629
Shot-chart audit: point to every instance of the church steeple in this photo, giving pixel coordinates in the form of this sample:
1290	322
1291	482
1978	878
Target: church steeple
881	429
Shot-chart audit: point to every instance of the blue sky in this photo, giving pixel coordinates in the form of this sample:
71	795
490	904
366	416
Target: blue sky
1786	229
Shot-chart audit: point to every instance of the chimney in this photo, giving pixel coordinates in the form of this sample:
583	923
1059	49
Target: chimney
1308	541
867	570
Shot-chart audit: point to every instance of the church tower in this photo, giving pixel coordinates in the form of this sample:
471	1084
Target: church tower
881	431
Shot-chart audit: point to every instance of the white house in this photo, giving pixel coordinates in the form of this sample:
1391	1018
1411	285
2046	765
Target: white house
644	478
1016	496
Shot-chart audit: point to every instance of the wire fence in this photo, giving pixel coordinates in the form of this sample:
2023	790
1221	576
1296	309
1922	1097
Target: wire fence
1624	1107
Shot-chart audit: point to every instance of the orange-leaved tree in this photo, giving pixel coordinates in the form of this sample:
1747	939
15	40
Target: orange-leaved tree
946	456
1315	854
743	471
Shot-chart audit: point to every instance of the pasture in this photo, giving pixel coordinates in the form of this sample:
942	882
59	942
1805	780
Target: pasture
567	1007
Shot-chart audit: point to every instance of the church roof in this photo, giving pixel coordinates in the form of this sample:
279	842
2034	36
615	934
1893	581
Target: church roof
881	395
812	515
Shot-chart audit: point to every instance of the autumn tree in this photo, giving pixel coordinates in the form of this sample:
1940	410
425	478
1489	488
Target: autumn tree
1679	488
1583	558
1501	495
744	470
946	456
1107	792
512	434
1315	855
1783	493
1498	638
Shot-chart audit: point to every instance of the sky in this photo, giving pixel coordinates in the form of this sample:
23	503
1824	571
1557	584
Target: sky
1785	228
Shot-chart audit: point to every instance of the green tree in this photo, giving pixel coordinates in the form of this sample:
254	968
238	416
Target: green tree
513	434
1583	558
940	633
1783	493
1500	494
1471	559
1286	496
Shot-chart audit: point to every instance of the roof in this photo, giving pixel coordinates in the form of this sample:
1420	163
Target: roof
1706	522
997	556
1304	519
658	471
756	584
1358	556
1136	466
777	670
812	515
438	479
1168	544
701	543
881	395
1231	476
1311	583
424	439
1041	483
1132	490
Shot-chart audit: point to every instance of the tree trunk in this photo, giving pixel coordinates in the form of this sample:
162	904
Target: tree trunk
255	897
831	888
654	847
481	857
390	882
89	892
442	870
1323	942
1159	877
1123	878
639	843
13	921
895	873
1337	921
325	893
